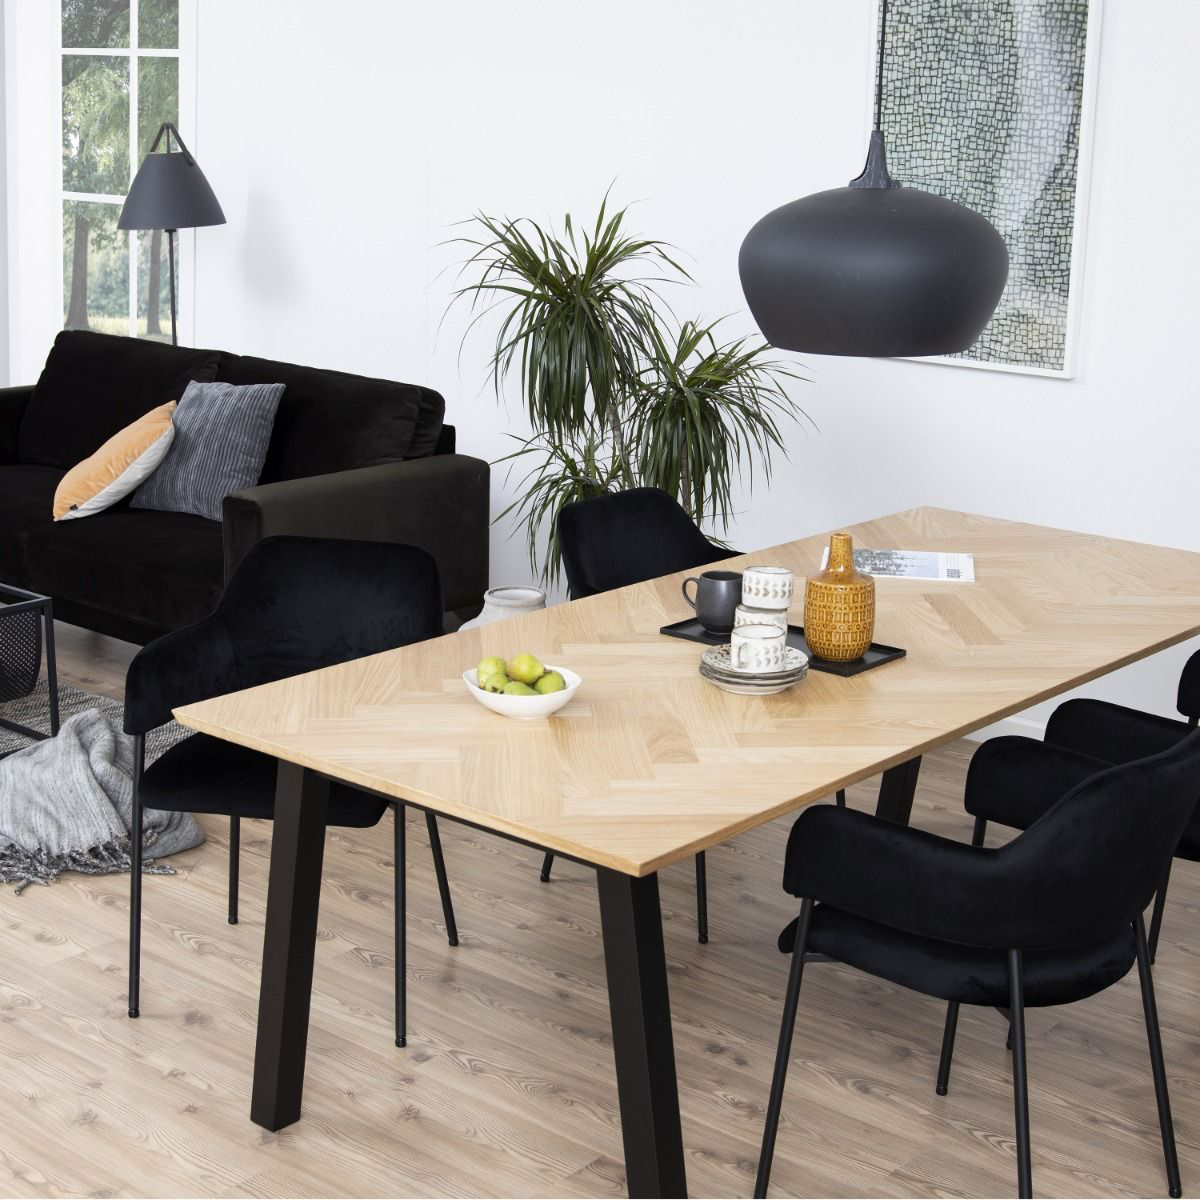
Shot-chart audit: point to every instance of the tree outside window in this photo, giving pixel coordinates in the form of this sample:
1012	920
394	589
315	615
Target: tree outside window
120	82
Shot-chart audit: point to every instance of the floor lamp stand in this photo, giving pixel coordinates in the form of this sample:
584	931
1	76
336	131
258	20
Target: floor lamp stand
171	264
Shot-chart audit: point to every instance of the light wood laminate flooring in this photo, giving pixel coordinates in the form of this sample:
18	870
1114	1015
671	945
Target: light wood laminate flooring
507	1085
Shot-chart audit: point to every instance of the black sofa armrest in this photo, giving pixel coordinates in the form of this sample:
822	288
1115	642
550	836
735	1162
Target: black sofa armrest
12	408
440	503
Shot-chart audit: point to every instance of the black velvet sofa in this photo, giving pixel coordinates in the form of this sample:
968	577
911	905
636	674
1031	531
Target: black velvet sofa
349	457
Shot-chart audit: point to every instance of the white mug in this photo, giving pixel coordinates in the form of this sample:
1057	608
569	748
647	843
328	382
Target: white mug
744	615
767	587
757	649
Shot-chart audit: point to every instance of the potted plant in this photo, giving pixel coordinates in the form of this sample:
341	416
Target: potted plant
619	393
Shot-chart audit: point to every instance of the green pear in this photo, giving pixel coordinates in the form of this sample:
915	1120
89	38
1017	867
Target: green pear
489	666
517	688
525	669
552	681
495	682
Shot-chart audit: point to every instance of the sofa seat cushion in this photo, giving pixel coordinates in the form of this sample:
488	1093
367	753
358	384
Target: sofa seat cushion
161	569
26	505
95	384
205	774
329	421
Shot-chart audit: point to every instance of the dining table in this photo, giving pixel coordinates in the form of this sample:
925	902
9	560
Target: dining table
649	763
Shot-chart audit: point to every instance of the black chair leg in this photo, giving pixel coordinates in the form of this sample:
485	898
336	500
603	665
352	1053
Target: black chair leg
943	1076
1016	990
135	878
979	832
439	867
401	923
840	798
1160	903
235	844
547	863
701	899
1150	1009
783	1051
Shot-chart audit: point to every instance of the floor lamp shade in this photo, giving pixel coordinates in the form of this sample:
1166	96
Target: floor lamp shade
873	270
170	192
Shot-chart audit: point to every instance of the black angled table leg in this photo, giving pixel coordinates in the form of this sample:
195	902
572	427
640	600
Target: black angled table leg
293	900
896	791
636	965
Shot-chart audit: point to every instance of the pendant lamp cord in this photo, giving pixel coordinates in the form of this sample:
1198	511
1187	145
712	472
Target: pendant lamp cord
883	14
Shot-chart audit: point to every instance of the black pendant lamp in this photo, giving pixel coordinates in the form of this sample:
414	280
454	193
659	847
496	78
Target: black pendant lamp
873	269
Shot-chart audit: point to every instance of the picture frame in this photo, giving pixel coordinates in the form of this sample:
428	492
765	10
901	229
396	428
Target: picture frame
1036	328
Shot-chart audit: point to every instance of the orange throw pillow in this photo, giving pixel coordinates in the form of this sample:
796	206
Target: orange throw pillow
119	466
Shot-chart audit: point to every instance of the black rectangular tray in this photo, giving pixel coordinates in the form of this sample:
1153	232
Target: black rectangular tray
692	631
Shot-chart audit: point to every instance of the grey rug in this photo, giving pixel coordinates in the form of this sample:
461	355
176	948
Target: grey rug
34	711
65	803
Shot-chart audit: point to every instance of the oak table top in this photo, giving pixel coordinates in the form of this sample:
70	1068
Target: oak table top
650	763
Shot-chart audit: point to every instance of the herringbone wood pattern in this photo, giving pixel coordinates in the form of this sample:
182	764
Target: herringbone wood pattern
649	762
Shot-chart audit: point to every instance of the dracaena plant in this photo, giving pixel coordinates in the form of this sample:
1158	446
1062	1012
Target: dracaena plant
618	392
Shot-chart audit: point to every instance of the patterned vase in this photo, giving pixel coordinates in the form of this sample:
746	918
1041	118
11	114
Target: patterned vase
839	606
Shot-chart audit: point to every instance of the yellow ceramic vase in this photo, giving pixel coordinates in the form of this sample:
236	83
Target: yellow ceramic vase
839	606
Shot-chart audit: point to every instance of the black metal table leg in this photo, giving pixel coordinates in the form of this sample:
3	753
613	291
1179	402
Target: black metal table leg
293	900
896	791
636	965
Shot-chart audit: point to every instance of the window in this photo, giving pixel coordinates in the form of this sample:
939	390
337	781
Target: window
120	82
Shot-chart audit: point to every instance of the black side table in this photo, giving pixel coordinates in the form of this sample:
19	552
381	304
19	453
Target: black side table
23	617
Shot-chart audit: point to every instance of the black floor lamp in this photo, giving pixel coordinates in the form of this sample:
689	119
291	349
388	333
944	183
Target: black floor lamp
170	192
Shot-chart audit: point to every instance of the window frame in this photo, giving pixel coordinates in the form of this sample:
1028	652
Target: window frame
132	53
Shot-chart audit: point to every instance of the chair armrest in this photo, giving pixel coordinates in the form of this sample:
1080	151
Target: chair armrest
1013	780
190	664
1111	731
930	886
13	402
440	503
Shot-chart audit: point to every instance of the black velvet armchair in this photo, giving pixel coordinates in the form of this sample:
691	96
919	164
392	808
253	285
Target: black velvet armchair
1053	916
1082	735
293	605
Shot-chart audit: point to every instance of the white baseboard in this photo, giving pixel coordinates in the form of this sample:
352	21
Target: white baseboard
1017	726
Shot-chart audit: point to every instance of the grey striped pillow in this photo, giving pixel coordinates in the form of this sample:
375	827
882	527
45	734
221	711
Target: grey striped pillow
221	437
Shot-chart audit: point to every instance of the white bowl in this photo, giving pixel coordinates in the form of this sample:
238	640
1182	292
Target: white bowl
525	708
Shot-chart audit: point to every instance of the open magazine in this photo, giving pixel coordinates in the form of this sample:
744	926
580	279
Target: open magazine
931	565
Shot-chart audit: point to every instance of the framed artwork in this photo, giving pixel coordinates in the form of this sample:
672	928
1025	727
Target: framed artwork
990	103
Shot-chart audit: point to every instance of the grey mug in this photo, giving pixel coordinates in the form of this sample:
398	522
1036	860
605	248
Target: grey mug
718	593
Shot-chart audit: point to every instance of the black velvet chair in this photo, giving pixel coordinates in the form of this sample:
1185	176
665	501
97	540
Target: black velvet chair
1097	731
1052	917
294	604
627	537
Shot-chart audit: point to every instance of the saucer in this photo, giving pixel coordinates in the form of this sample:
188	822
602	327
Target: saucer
714	666
718	661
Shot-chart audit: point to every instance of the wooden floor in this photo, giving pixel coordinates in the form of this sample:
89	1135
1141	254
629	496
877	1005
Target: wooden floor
507	1087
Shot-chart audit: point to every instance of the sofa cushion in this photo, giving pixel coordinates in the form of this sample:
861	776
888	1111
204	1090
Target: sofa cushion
160	569
95	384
221	436
26	505
118	467
331	421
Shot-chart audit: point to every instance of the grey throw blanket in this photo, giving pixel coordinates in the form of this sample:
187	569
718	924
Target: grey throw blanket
66	804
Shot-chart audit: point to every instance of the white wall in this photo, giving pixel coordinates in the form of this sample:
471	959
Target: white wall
344	147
